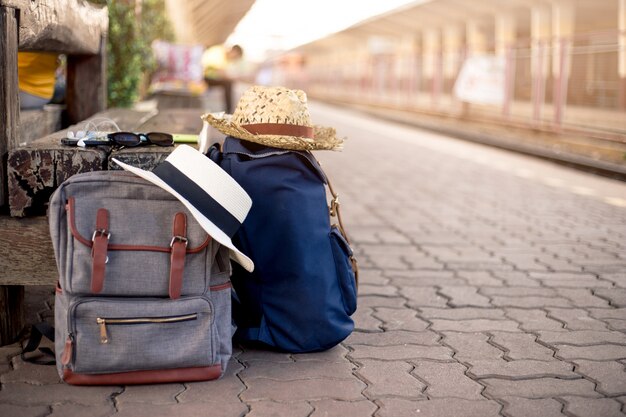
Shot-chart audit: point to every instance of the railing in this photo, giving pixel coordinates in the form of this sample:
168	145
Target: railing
565	85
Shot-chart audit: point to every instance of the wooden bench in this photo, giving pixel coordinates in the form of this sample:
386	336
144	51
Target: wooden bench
72	27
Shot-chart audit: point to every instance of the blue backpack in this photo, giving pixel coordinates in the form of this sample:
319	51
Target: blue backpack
303	290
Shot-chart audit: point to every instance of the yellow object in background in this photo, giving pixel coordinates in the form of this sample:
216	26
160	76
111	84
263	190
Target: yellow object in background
214	61
36	73
185	138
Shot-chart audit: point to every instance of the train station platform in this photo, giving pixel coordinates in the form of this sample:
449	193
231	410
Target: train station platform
583	150
492	284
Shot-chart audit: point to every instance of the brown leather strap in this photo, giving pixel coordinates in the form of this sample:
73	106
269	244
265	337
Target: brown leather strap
153	376
336	212
179	248
99	249
280	129
66	356
71	218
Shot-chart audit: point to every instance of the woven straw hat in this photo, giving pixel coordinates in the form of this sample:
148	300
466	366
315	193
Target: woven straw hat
277	117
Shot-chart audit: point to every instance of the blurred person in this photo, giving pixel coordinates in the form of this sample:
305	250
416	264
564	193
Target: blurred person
222	68
37	78
58	97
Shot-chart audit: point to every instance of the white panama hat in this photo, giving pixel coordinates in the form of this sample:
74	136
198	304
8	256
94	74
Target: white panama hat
212	196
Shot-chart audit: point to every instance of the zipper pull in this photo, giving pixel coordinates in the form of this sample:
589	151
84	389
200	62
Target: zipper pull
66	357
103	330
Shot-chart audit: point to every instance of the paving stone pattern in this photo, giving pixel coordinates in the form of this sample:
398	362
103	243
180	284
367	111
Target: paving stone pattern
482	294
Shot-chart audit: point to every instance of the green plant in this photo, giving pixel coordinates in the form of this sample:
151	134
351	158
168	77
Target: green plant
129	55
154	25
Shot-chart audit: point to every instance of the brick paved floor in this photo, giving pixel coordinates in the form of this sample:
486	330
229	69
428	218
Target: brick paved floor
491	285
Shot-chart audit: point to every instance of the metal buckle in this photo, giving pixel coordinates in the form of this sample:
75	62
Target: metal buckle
100	232
334	205
179	238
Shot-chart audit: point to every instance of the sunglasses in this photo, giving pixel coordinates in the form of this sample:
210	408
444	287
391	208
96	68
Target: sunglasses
131	139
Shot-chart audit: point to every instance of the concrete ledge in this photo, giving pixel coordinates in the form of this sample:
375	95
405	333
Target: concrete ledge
35	124
553	147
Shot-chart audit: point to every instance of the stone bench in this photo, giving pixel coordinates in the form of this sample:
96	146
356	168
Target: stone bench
77	29
35	171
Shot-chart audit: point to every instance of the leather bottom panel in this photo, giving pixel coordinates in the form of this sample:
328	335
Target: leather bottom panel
159	376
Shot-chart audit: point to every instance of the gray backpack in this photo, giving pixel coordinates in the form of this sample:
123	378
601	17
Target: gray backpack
143	293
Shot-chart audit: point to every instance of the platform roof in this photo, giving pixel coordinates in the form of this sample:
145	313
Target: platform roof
206	22
411	20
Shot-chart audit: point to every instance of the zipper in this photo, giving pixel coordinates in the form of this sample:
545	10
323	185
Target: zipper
71	324
102	322
199	304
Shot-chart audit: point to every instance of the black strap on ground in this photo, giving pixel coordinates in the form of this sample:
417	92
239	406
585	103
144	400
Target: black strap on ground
37	331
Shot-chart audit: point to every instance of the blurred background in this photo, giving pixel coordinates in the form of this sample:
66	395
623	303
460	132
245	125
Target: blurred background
553	70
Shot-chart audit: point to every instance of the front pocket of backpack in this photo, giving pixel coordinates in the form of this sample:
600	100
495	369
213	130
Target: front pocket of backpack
345	275
138	257
112	335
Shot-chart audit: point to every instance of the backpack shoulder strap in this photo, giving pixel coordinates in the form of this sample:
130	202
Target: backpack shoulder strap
38	331
335	212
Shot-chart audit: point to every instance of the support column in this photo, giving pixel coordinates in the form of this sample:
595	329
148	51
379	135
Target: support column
417	76
475	44
476	39
369	76
414	70
540	32
12	318
563	30
452	57
506	34
362	73
621	27
86	84
452	45
9	102
404	66
357	70
432	62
